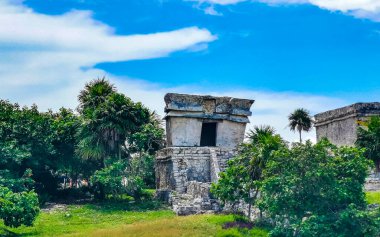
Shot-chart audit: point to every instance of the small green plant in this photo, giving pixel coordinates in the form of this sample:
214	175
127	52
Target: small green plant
18	209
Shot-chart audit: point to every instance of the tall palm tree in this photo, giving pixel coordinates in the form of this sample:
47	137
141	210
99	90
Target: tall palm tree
108	118
300	120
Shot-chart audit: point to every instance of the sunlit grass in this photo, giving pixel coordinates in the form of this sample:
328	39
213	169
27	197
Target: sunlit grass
195	225
126	219
373	197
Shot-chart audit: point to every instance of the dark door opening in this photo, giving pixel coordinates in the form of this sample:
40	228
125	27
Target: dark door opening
208	134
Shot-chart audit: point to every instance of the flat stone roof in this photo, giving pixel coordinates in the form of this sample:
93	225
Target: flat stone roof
358	109
196	106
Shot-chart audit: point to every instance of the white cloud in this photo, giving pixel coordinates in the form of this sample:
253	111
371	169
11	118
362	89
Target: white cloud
210	10
47	59
359	8
32	42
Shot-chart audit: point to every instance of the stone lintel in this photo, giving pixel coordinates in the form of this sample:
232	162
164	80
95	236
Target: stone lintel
215	116
198	103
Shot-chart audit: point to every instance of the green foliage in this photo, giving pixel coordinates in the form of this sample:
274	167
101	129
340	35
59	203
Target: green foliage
37	149
18	209
143	167
369	138
313	190
26	142
16	184
94	94
150	136
116	180
300	120
240	180
109	119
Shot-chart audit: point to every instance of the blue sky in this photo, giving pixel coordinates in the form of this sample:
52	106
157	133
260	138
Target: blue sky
317	54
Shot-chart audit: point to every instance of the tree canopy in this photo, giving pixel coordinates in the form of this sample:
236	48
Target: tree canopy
110	143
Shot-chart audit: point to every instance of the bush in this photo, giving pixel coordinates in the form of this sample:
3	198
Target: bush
317	190
116	181
18	209
143	166
239	182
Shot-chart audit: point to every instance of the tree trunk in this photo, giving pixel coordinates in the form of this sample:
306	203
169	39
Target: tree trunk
300	135
377	167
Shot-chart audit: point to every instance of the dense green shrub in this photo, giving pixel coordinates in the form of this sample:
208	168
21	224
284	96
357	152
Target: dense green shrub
317	190
116	180
239	182
18	208
143	166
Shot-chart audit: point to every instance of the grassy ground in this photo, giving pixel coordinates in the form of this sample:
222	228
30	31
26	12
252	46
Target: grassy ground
373	197
125	219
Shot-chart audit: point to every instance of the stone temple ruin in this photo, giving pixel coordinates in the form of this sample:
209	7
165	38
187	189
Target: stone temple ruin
203	133
340	125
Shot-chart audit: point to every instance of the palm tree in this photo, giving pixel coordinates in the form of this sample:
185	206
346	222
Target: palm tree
95	93
258	132
108	118
300	120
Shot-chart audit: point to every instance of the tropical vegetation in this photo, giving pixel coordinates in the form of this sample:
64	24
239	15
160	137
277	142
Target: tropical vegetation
369	139
102	156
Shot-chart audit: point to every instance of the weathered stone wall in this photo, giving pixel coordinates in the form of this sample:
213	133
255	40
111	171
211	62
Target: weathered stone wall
183	131
340	125
186	132
176	166
230	134
341	133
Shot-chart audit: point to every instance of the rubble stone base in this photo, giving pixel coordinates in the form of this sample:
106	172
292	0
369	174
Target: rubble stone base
184	176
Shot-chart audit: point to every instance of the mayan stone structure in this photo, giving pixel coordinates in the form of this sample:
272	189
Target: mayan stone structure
340	125
202	135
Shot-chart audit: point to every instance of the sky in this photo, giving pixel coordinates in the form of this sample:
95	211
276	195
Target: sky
284	54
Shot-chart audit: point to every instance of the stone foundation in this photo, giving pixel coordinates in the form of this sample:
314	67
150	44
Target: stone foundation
184	176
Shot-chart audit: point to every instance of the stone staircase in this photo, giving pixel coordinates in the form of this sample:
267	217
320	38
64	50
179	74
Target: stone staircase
196	200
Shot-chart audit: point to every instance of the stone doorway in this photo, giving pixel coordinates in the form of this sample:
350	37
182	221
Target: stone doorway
208	134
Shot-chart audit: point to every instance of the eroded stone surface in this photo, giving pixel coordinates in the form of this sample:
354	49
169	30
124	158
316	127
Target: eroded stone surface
340	125
185	115
176	166
185	169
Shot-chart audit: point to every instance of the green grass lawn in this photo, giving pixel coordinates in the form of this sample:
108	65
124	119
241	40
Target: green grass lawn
121	218
373	197
126	219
